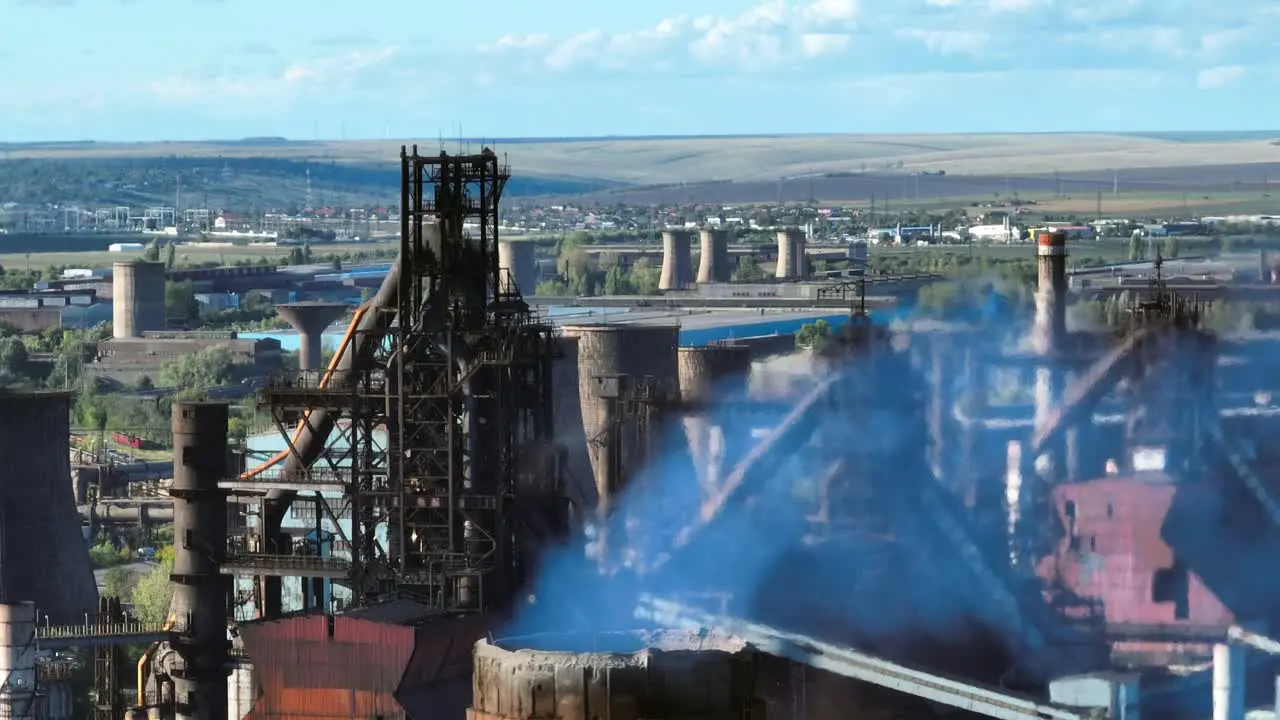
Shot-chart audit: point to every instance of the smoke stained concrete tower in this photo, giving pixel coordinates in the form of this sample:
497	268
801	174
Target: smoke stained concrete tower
640	354
677	260
792	263
200	590
137	298
713	257
43	557
311	319
569	431
516	263
707	374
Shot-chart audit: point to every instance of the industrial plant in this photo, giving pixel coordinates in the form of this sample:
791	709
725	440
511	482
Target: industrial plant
473	509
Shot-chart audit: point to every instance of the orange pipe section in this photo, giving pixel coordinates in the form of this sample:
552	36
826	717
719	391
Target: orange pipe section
324	382
146	660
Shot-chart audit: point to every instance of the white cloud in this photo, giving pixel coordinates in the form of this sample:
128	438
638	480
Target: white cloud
769	34
325	73
949	42
1223	76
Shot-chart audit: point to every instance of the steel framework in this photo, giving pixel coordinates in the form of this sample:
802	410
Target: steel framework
458	371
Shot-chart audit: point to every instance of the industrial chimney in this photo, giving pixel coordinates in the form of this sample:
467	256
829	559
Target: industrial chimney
1051	291
792	263
677	260
516	264
310	319
200	590
713	254
137	298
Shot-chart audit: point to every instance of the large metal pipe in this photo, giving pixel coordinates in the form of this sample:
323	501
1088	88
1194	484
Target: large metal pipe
200	590
677	260
137	298
311	319
145	513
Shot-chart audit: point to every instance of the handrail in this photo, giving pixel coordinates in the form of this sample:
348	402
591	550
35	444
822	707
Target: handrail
324	383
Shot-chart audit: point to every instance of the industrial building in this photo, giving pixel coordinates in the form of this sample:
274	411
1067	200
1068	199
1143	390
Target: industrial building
475	510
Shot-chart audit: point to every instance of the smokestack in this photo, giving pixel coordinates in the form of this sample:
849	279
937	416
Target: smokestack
1051	292
43	556
200	590
516	265
633	352
713	265
677	260
137	298
703	371
310	319
792	263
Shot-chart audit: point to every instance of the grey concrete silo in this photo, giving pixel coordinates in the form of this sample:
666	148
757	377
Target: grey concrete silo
677	260
639	353
713	260
516	263
137	298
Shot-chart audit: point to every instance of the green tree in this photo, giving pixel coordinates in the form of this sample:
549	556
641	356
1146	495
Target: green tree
645	276
813	335
1135	247
207	368
13	361
151	253
748	270
616	282
153	594
180	301
117	582
1171	246
170	256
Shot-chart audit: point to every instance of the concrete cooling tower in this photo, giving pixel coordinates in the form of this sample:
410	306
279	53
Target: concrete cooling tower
516	263
43	557
634	351
792	262
137	298
708	374
713	257
677	261
567	413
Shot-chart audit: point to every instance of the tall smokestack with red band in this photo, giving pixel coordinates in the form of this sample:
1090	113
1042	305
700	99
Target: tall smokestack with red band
1051	292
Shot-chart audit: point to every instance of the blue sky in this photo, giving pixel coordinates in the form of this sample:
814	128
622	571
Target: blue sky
200	69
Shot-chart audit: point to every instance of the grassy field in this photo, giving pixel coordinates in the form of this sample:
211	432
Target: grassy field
673	160
185	256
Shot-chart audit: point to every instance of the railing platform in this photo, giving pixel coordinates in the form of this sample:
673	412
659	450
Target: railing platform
310	480
286	566
52	637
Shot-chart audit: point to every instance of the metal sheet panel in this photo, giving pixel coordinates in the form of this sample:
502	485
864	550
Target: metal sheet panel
307	668
1114	551
437	683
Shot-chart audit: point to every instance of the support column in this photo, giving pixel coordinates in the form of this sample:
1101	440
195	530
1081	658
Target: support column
201	593
1228	682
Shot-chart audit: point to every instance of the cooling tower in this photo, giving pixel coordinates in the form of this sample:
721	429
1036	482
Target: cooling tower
713	253
792	263
311	319
708	374
516	263
677	261
43	557
567	414
137	299
637	352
